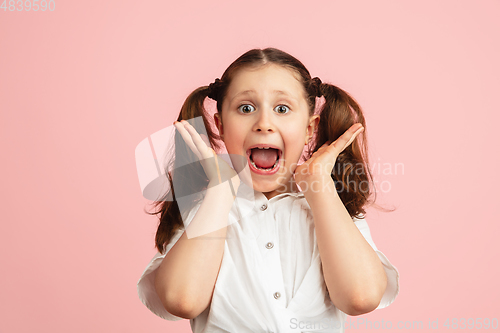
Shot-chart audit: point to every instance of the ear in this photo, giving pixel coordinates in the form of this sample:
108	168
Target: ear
311	127
218	123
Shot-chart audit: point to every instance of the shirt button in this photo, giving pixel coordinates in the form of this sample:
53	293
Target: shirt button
277	295
263	207
269	245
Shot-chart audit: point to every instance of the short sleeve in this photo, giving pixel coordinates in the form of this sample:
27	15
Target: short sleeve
392	273
146	284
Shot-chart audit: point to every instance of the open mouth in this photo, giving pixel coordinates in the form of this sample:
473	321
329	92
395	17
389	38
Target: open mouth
264	159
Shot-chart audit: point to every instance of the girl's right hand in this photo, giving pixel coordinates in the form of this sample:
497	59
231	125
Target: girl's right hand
216	169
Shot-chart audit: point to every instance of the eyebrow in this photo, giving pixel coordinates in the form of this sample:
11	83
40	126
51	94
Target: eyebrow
276	92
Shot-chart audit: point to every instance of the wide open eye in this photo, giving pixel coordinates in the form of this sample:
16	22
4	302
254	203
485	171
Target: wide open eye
244	108
283	108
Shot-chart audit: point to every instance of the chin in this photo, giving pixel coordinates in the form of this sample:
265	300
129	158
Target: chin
267	187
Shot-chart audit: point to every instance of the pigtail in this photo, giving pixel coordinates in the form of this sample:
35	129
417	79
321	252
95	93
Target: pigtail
190	175
351	174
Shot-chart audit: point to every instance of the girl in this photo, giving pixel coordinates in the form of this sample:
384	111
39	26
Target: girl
257	254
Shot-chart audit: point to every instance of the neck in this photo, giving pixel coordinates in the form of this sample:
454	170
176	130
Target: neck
291	187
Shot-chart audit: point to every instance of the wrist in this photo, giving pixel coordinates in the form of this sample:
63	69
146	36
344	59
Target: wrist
319	186
227	187
235	182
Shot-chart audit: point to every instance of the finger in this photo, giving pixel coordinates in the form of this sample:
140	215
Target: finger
320	150
205	139
186	136
347	138
326	144
353	137
218	169
323	147
200	144
203	146
336	147
304	167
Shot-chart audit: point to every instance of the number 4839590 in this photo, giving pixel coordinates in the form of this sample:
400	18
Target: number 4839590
477	323
27	5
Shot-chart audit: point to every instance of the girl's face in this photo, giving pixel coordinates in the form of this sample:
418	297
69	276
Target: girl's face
267	106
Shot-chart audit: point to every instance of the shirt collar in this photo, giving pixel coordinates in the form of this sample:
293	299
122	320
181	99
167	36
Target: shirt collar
248	200
250	194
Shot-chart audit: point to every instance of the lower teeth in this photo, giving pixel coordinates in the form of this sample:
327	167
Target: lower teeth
275	163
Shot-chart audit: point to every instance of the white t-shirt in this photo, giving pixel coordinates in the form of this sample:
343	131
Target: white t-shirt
270	279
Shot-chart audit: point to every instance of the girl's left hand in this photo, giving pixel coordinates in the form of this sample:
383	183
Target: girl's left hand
318	168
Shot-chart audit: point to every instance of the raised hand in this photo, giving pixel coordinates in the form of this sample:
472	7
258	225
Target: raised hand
216	169
318	168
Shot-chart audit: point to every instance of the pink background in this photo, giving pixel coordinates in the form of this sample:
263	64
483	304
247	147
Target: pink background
81	86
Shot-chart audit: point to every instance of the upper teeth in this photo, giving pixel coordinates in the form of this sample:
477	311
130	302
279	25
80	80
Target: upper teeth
263	147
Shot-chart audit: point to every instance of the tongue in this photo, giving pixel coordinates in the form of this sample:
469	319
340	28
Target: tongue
264	158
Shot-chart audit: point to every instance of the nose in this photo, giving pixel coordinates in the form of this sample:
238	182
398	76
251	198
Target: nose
264	122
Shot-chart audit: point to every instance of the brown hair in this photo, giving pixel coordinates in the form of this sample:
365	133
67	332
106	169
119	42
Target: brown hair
340	111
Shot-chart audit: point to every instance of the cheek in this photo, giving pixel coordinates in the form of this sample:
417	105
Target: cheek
233	141
294	149
295	142
294	135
